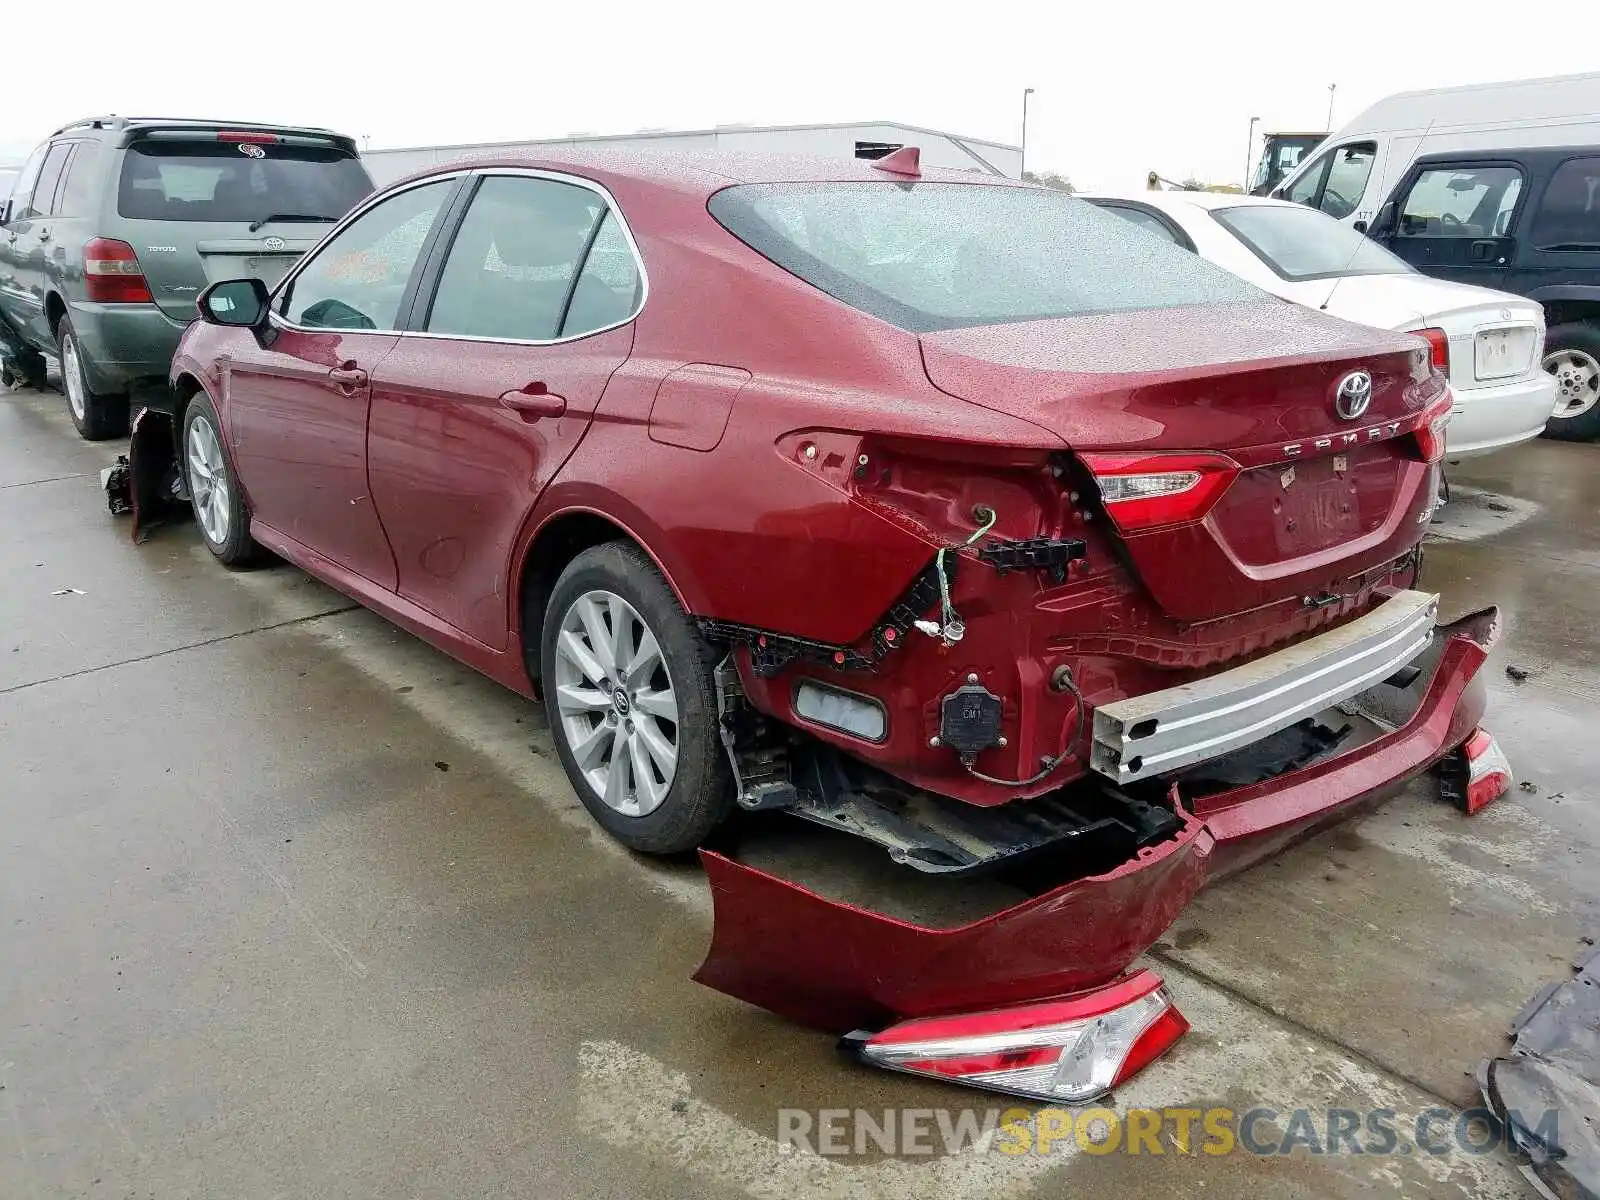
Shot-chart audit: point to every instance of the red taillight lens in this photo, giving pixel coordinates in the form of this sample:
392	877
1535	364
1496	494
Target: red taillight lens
1068	1051
1439	348
1431	433
1488	770
111	273
229	135
1147	491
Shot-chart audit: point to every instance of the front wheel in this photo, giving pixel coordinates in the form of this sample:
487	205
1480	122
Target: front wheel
632	704
1572	355
219	507
95	415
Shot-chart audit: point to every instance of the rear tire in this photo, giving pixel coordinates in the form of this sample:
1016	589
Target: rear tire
1572	355
632	703
219	507
96	415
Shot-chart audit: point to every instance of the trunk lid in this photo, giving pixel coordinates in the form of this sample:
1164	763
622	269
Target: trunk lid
1319	498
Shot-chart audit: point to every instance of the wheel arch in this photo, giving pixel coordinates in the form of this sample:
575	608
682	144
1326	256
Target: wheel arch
55	308
557	535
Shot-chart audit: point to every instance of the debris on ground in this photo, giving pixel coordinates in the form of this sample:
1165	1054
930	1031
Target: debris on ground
1547	1090
69	592
441	764
1529	786
1516	673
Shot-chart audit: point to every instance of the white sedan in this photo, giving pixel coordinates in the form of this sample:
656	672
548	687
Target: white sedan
1488	343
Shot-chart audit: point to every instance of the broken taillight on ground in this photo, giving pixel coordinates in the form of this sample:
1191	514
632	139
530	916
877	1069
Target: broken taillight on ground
1066	1051
1488	772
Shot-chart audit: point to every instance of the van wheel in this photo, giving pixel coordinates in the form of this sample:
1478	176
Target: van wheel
96	415
629	689
1572	355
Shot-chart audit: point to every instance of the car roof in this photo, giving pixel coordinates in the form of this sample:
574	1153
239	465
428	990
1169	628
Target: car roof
1171	200
1502	152
707	171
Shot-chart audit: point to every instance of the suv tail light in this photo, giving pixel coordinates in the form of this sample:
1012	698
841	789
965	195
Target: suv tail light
1146	491
1064	1051
111	273
1438	348
1488	771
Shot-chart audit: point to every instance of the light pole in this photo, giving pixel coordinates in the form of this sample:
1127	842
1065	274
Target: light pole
1332	87
1023	171
1249	150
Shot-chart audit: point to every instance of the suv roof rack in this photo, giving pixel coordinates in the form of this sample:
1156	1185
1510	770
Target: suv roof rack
109	121
113	121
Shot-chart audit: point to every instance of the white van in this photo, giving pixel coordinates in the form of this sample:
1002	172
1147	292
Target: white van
1353	172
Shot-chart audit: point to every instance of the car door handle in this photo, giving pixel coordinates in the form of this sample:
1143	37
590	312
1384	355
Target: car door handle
348	375
534	401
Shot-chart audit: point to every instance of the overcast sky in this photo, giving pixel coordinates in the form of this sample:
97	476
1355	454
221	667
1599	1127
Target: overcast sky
1119	89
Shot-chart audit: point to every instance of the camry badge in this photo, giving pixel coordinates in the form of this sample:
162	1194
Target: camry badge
272	243
1354	393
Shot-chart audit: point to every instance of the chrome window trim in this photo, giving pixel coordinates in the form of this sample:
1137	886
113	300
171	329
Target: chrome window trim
275	318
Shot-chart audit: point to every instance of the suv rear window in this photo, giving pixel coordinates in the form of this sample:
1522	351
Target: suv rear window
930	256
224	181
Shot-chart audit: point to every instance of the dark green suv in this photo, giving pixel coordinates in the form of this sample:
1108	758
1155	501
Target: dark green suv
116	224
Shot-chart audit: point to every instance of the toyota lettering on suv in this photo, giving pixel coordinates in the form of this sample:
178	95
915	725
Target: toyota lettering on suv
946	511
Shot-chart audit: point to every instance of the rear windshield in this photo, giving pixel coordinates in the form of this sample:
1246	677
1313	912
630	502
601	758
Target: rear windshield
930	256
227	181
1301	243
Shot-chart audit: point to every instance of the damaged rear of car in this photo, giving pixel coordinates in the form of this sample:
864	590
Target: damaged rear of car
1154	644
946	513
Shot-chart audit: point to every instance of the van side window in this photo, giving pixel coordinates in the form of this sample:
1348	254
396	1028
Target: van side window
1304	190
1347	178
1568	217
1460	202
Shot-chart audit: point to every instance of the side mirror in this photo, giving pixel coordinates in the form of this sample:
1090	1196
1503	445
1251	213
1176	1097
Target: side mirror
1383	223
241	303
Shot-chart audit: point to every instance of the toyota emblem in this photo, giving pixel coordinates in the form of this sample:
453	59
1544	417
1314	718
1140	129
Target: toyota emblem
1354	393
272	243
251	150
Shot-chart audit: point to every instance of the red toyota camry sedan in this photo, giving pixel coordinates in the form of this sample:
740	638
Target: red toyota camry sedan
945	510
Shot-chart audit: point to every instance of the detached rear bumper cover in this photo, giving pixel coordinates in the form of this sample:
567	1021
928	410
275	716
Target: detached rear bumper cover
838	967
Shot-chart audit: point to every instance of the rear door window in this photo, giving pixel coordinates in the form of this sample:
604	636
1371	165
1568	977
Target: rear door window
1568	217
181	180
514	260
1460	202
22	193
44	191
359	277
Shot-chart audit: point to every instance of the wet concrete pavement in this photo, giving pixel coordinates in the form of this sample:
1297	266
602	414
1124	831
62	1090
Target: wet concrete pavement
293	906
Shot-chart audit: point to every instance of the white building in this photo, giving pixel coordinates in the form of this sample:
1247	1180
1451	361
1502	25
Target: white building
866	139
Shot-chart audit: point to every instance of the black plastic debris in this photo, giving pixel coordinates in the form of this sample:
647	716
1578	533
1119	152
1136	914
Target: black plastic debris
1547	1090
1517	674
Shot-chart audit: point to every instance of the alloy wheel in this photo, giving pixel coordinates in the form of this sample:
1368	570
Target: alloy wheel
72	378
614	703
208	481
1577	382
